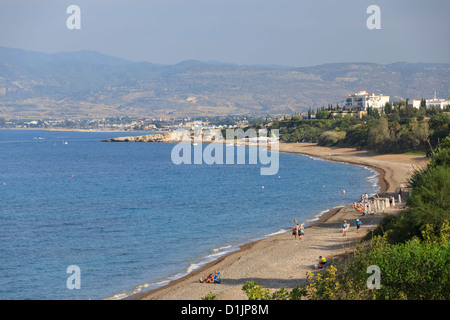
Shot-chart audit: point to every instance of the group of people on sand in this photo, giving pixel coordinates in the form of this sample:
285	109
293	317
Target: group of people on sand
346	226
298	231
363	205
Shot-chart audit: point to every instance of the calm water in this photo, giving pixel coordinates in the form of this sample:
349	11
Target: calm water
131	220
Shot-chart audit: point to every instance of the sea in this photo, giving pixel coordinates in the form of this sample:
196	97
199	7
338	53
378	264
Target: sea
84	219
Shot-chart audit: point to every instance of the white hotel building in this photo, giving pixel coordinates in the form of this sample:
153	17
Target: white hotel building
362	100
440	103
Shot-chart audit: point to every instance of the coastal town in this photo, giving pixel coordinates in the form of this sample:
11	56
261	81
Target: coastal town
129	124
354	104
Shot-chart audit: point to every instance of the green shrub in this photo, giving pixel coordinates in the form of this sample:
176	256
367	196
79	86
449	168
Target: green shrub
256	292
331	138
413	270
210	296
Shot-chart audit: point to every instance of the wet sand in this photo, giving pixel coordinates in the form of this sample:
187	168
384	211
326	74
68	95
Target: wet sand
281	261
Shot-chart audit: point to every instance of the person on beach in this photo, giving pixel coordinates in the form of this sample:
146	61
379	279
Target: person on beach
344	228
358	207
322	261
295	231
358	225
301	231
209	279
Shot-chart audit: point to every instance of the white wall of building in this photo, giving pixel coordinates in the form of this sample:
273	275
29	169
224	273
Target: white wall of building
363	100
415	103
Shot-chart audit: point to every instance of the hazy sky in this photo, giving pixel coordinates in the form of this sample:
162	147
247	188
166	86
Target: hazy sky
283	32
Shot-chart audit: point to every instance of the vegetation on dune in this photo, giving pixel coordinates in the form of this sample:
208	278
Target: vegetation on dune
396	128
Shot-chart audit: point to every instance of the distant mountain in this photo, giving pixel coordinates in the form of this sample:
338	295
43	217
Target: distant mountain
91	84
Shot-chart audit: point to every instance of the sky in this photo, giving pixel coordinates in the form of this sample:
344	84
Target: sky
271	32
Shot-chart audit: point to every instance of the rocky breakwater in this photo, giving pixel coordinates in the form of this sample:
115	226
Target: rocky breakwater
166	137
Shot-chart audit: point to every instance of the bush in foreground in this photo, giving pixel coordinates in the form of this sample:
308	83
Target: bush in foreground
413	270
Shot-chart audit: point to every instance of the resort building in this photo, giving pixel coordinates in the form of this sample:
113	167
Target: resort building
362	100
415	103
440	103
435	102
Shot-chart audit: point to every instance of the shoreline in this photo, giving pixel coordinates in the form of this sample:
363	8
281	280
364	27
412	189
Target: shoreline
203	270
60	129
188	287
382	181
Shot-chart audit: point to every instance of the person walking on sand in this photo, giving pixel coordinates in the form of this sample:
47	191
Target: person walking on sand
358	225
344	228
301	231
295	231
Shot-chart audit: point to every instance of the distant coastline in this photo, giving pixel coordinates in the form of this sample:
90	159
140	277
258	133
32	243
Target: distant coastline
81	130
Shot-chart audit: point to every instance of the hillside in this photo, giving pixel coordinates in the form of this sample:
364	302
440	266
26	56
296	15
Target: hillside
90	84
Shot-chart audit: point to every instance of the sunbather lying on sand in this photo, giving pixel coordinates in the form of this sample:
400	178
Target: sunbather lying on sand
211	278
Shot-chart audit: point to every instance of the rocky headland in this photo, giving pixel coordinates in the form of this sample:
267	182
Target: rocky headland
166	137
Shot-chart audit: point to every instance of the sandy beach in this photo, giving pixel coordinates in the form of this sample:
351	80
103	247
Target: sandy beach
281	261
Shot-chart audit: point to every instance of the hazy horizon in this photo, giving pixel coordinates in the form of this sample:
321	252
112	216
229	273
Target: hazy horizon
215	61
264	32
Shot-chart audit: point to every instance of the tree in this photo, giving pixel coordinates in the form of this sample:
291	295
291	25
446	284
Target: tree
387	108
407	111
373	112
440	127
378	135
421	113
322	114
423	103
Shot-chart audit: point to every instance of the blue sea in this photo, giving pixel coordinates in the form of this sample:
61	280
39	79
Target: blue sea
131	220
